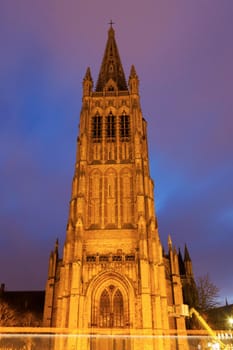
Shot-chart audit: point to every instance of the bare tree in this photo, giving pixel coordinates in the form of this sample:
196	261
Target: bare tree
208	293
30	319
8	316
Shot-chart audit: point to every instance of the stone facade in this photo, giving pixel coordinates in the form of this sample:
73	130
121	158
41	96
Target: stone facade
113	274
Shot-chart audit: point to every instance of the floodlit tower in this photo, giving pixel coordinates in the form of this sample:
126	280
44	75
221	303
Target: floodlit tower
113	274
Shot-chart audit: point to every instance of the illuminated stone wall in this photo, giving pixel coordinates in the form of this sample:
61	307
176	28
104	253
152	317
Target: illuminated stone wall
113	274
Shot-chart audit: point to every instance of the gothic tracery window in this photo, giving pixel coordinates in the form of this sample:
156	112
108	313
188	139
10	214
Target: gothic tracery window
118	309
111	308
97	128
105	310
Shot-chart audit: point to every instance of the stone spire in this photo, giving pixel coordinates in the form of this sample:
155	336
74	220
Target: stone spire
111	67
133	81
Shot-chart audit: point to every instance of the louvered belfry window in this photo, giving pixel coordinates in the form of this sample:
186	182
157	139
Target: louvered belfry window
97	128
124	127
110	127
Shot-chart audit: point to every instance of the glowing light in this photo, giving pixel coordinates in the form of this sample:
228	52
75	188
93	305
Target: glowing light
231	321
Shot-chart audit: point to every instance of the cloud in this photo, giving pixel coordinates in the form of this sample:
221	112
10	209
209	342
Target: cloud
184	62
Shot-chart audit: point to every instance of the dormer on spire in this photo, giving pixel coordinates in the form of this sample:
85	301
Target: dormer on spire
111	67
87	83
133	81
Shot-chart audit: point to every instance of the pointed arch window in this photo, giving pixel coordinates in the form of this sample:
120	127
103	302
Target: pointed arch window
124	127
110	127
105	310
111	308
118	309
96	127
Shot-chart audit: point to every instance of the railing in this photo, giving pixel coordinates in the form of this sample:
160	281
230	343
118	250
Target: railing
109	93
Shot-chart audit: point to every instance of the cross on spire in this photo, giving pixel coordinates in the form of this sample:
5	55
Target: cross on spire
111	23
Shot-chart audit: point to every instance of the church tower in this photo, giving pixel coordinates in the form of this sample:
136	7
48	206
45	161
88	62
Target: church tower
113	274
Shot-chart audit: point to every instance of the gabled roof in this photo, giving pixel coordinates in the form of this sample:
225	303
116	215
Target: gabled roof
111	67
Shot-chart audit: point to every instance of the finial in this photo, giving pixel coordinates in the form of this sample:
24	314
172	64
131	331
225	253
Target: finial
111	30
111	23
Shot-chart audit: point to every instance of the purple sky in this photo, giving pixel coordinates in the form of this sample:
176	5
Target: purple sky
183	54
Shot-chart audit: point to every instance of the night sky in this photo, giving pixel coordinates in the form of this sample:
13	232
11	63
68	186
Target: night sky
183	54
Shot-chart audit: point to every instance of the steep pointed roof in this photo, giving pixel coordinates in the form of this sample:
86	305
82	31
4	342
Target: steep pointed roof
111	67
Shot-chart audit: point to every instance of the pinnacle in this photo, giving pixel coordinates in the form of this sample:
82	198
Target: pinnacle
88	74
169	242
133	73
186	254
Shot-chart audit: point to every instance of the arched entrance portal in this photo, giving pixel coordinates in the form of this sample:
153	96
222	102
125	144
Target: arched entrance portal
110	305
